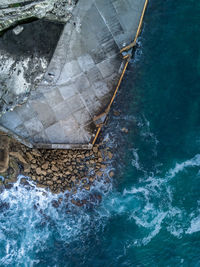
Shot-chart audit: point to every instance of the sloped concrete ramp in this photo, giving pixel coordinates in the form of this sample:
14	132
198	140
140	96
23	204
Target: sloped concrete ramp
81	77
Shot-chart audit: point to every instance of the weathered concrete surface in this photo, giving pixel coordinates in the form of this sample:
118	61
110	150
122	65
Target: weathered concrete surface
81	77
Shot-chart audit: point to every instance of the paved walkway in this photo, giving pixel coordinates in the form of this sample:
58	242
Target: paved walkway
81	77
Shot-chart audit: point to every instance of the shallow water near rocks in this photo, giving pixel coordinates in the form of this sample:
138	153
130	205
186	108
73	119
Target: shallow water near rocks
150	215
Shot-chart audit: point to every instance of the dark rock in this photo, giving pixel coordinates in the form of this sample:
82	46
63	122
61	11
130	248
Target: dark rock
4	206
8	186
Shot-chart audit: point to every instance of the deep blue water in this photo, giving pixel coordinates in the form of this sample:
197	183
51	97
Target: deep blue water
150	215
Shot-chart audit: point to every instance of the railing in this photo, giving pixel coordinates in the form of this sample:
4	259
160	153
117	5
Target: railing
127	58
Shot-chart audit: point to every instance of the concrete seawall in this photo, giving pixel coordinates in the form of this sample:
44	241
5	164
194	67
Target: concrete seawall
69	106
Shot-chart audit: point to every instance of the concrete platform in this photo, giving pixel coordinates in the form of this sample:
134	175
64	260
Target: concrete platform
81	78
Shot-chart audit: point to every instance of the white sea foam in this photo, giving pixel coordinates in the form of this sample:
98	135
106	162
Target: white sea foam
195	226
27	216
149	215
135	160
179	167
148	205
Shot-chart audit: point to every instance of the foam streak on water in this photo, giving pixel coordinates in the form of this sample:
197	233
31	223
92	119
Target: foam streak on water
29	221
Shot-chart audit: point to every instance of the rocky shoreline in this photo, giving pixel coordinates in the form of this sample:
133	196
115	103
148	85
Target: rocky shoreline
57	170
13	12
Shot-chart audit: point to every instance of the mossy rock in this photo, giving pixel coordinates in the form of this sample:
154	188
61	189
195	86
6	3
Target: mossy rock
12	172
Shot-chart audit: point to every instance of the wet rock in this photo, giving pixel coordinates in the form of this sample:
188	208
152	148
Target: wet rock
54	179
2	187
87	187
61	171
29	156
116	113
27	168
124	130
49	183
4	153
99	173
73	178
38	171
77	203
33	166
34	178
13	171
110	155
103	166
91	179
8	186
111	173
54	168
55	203
45	166
96	198
24	181
68	188
100	159
95	149
4	206
41	185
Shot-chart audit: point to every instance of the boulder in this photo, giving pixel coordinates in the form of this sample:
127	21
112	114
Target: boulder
36	153
4	153
27	168
99	174
49	183
100	159
18	156
54	168
95	149
103	166
124	130
45	166
87	187
29	156
39	171
116	113
111	173
33	166
110	155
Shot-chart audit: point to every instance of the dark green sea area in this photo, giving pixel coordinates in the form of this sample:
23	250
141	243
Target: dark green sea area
150	215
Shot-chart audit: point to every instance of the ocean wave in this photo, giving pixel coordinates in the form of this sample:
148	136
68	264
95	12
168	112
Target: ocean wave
30	217
179	167
38	216
156	206
135	160
194	226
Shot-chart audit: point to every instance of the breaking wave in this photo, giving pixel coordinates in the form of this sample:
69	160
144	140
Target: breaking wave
31	219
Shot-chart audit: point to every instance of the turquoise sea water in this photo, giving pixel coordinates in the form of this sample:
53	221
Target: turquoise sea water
150	215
